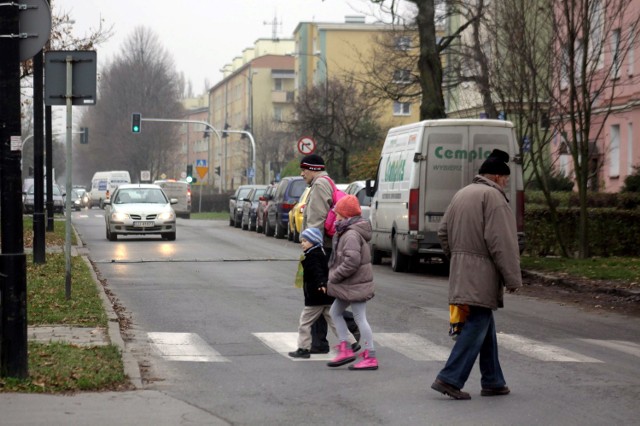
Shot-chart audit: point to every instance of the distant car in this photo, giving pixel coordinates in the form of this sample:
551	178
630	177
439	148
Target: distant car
235	204
76	198
358	189
296	216
140	209
57	196
261	210
181	191
286	196
249	207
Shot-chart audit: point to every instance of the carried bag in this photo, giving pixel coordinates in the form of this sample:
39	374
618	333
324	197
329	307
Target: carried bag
299	281
457	318
330	222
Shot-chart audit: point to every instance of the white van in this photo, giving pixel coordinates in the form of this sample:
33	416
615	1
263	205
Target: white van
421	167
104	183
179	190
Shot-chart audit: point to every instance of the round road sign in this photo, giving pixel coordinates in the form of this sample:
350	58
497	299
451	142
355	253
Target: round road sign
306	145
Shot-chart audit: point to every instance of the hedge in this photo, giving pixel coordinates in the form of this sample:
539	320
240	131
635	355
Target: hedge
611	231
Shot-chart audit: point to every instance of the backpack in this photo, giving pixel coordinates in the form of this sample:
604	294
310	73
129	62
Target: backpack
330	221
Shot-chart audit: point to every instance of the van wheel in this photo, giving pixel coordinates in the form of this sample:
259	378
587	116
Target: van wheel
296	236
101	204
399	261
290	235
376	256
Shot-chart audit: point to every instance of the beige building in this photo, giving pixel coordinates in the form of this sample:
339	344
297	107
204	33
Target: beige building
328	51
256	95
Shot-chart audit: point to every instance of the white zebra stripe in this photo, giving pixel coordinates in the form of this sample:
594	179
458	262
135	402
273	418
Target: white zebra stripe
184	347
540	351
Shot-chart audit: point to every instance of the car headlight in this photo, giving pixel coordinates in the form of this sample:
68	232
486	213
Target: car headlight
166	216
118	216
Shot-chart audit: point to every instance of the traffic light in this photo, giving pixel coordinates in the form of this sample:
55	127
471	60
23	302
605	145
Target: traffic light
218	170
84	136
135	122
190	173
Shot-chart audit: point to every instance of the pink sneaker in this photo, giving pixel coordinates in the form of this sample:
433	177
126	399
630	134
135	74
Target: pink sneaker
368	363
345	355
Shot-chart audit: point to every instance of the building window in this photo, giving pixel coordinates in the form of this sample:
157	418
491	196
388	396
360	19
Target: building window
402	77
401	108
629	148
614	151
631	55
403	43
615	50
277	113
277	84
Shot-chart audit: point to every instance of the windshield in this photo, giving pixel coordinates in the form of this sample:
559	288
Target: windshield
141	195
56	190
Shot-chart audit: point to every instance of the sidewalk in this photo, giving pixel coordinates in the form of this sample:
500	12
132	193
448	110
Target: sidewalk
137	407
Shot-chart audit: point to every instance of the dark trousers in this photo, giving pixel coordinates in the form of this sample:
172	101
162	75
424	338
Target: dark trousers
319	328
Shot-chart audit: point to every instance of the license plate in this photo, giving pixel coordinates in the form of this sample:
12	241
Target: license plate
143	224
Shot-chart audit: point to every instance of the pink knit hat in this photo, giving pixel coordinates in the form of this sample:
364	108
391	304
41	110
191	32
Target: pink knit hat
348	206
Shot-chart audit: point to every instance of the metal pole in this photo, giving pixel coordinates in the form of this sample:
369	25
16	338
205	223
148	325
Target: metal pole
67	210
13	263
39	243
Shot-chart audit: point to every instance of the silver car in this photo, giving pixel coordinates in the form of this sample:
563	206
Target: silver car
358	189
57	197
140	209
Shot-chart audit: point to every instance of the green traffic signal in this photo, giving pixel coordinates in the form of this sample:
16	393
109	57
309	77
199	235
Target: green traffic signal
135	122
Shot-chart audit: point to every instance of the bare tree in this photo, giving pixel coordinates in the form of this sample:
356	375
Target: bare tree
274	146
143	79
342	118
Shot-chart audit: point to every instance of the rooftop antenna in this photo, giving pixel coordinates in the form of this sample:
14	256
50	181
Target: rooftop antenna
274	26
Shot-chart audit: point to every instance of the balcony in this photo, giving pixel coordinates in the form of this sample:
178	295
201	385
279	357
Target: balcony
281	97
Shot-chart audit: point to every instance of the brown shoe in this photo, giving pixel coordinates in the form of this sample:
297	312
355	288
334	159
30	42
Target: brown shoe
450	390
495	391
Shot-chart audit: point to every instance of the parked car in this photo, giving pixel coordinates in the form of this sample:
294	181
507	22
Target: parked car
249	207
296	216
235	204
261	210
57	196
139	209
286	196
358	188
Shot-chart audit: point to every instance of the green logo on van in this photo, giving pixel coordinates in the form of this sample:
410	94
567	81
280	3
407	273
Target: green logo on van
394	172
461	154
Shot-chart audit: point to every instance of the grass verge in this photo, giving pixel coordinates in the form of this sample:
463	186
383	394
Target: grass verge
624	269
210	215
63	367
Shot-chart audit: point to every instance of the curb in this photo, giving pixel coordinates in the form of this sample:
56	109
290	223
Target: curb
130	364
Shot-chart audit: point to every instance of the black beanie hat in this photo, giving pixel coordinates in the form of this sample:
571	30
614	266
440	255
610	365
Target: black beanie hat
312	162
496	164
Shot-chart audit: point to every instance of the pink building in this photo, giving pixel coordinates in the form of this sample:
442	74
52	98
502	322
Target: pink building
615	143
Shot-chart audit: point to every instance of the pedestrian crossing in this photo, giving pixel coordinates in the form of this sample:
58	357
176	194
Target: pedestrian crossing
192	348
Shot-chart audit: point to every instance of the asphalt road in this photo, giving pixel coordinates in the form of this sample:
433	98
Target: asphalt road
213	314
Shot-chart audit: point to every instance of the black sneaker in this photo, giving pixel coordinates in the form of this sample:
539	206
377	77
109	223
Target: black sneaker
315	350
300	353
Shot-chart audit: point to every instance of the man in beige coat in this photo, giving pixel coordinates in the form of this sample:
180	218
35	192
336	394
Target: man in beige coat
479	235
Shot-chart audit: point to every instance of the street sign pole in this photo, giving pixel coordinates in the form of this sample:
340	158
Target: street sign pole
67	207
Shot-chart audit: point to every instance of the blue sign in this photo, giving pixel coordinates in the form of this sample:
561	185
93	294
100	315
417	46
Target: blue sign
201	163
526	144
250	172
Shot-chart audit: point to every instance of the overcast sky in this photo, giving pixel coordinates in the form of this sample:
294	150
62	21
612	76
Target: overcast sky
203	35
